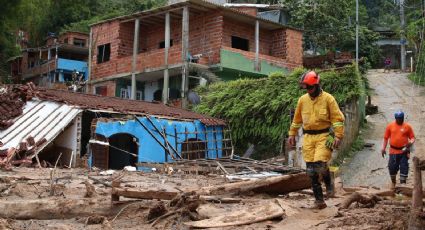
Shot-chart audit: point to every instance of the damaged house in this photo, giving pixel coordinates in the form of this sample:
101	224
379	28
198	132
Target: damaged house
53	64
41	126
160	54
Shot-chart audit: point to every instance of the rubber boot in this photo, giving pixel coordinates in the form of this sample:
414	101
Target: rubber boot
318	193
403	180
330	186
393	181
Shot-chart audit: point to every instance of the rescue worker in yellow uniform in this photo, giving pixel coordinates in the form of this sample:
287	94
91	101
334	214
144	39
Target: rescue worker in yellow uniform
322	122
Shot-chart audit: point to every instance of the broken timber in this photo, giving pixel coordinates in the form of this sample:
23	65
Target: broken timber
47	209
273	185
230	166
142	194
415	220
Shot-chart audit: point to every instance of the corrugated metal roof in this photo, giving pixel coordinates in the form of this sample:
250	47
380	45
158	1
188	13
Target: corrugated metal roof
40	119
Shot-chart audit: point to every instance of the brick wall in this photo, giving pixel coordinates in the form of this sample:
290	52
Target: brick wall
247	31
205	40
208	33
110	88
247	10
103	34
294	47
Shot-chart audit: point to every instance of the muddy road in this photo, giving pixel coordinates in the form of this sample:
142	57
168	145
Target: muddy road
390	92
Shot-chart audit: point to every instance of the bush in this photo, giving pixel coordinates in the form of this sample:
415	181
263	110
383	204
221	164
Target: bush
258	110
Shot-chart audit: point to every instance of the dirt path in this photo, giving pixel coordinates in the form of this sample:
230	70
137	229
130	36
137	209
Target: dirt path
391	91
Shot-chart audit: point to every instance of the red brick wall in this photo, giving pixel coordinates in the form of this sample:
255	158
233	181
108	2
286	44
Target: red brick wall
247	10
205	40
278	43
110	88
103	34
247	31
294	47
208	32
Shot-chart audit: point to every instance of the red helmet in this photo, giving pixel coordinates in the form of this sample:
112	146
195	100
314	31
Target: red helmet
310	78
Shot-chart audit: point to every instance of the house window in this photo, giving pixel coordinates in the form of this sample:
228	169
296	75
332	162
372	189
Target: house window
101	90
65	41
162	44
139	95
125	93
103	53
240	43
79	42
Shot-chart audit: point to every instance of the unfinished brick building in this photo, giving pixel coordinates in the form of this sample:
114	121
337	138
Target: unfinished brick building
182	44
54	62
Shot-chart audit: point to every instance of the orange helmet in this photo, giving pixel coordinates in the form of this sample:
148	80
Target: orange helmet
310	78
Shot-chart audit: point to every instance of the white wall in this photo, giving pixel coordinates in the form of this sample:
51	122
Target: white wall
150	88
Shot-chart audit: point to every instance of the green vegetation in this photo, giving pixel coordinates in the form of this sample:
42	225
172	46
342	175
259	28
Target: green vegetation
39	17
258	109
417	79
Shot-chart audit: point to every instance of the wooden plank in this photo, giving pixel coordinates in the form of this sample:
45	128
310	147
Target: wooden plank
144	194
274	185
222	168
245	216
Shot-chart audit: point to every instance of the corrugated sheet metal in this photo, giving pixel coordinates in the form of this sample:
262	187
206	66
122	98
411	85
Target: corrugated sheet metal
40	119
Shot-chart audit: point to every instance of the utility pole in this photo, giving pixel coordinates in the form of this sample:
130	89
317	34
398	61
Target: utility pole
357	32
402	37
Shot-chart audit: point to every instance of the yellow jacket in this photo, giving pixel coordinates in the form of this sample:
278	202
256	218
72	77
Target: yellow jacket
320	113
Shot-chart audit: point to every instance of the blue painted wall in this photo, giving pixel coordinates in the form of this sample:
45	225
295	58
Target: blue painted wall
149	149
68	65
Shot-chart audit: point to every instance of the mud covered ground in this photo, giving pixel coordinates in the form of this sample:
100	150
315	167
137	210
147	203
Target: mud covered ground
62	203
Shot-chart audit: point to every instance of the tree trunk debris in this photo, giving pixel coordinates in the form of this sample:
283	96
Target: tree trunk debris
416	221
369	201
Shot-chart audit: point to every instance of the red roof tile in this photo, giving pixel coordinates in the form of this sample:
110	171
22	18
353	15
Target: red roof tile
13	98
90	101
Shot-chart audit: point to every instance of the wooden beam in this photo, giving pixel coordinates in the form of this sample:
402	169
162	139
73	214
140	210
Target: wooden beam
143	194
275	185
415	221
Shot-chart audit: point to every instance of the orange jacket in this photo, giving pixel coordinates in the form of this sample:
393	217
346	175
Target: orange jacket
399	136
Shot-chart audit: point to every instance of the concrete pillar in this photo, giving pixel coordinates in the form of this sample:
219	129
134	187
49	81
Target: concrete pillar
257	46
134	63
89	59
185	54
167	46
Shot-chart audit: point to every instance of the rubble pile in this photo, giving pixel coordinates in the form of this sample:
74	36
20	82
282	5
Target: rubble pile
12	101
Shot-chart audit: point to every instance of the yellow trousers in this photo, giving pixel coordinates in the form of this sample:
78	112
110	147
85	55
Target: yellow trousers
314	148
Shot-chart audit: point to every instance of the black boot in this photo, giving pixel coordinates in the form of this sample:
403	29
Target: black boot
313	172
318	193
330	186
403	180
393	181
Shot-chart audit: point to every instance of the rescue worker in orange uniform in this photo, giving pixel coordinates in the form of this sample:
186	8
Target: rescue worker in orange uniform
401	137
317	112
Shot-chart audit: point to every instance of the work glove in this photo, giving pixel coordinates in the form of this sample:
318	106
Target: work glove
383	152
291	141
337	142
330	142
